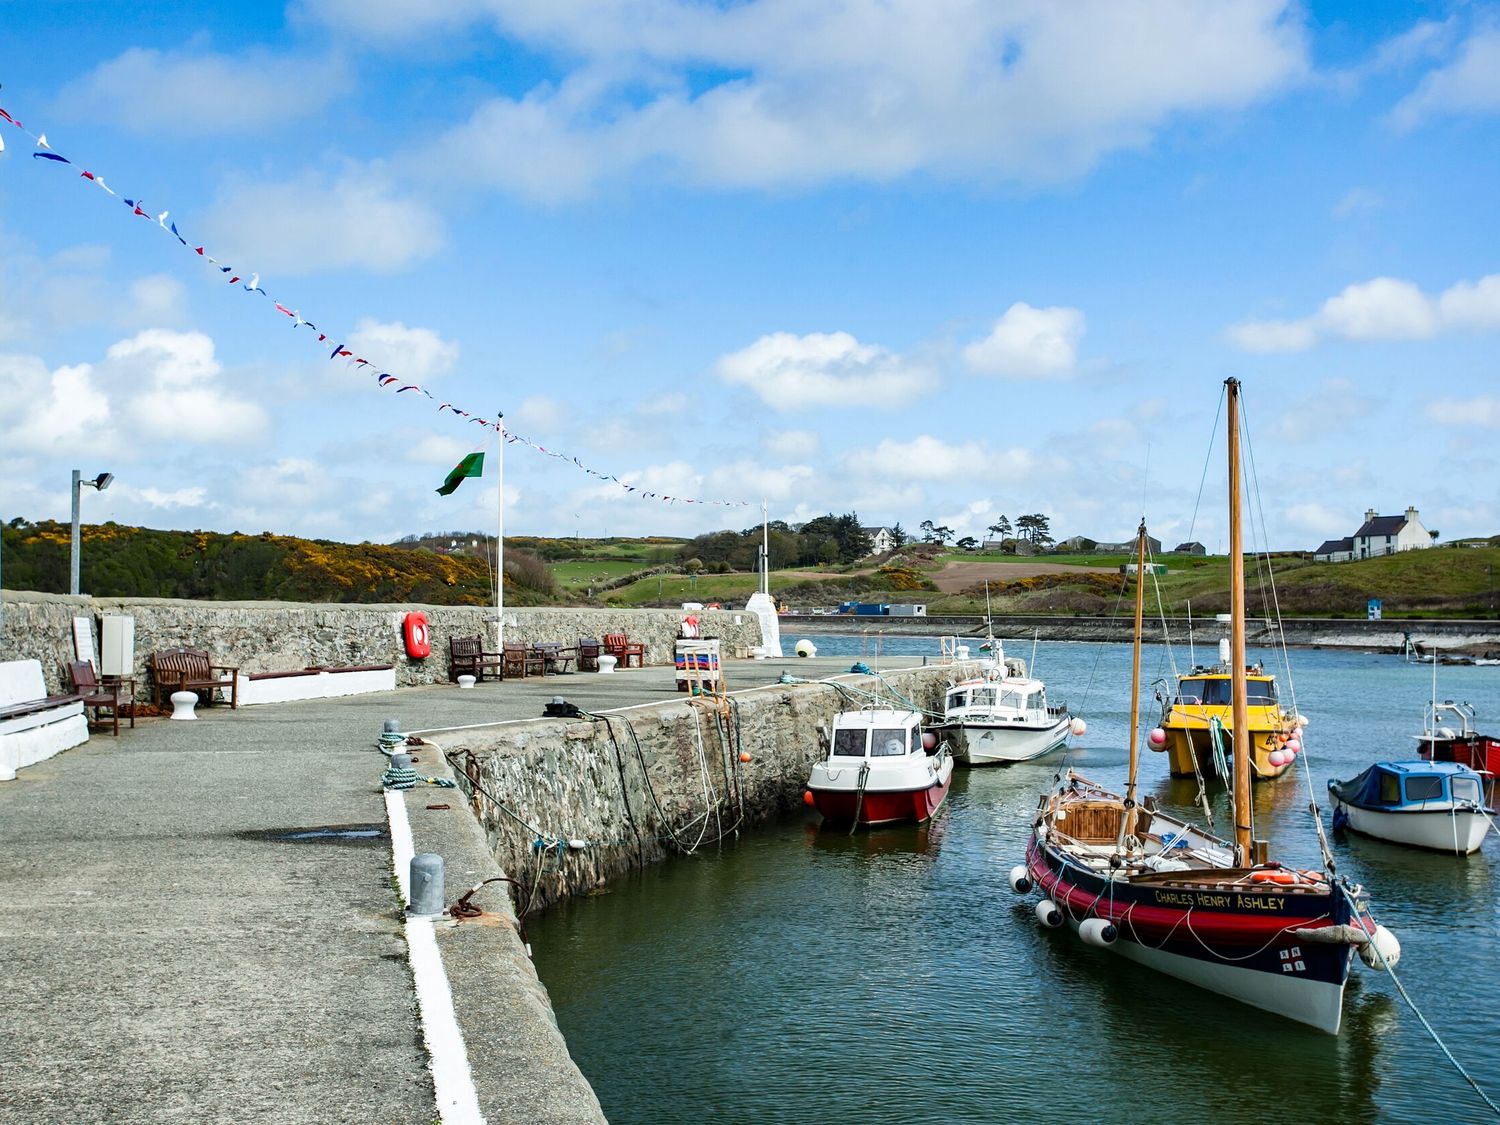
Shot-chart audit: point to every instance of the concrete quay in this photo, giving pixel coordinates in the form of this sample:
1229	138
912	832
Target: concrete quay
200	922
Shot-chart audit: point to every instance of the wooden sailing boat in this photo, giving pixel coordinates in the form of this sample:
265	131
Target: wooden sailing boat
1162	892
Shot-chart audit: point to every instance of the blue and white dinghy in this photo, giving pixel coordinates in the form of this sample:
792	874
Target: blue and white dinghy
1437	805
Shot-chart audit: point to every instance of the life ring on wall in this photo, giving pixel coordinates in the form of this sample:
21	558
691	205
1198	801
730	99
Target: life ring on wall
418	636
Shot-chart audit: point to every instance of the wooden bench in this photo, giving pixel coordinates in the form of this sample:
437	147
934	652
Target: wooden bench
622	649
107	700
555	658
466	657
190	669
522	660
34	725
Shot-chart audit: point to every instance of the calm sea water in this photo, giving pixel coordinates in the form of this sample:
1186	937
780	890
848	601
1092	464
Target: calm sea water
805	975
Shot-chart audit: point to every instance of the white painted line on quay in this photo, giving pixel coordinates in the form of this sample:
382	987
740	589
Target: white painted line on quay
452	1080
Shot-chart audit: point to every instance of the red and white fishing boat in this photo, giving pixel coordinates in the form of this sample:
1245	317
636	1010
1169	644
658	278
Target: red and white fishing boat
1449	736
881	769
1166	894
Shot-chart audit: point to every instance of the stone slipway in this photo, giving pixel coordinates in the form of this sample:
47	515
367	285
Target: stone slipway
167	954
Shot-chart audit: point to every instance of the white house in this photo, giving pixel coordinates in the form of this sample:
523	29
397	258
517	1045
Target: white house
1378	535
882	539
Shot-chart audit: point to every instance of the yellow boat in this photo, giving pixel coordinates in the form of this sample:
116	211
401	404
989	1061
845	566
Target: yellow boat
1202	695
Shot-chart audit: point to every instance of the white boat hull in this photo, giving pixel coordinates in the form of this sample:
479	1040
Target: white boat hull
984	744
1318	1004
1459	831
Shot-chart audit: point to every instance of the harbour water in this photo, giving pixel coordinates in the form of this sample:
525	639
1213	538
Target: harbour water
803	974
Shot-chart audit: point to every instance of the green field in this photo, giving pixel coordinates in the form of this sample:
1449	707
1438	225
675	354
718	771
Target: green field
583	574
674	589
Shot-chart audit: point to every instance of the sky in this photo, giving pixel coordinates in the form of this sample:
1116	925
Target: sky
919	259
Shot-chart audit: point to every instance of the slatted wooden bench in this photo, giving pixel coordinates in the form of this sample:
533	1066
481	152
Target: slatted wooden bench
466	657
190	669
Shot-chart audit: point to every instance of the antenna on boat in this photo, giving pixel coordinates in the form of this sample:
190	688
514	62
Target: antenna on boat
1240	748
1192	655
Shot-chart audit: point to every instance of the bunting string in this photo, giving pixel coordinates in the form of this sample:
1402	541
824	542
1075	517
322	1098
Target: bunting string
336	350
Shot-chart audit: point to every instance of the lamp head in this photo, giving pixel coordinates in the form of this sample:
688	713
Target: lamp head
102	481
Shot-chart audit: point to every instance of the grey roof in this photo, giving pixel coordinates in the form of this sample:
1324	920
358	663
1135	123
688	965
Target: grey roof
1332	545
1381	525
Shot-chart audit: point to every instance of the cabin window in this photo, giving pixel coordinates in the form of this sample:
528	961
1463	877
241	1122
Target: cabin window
1390	789
1260	693
887	742
982	697
1424	788
1215	693
1011	699
1464	789
1034	701
1190	691
958	699
849	742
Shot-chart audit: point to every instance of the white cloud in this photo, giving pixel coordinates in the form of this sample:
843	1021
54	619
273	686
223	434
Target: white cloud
1358	201
183	93
1384	308
412	353
58	412
792	443
1334	406
1468	84
1029	343
436	449
824	369
539	413
803	93
315	223
157	300
672	402
194	496
1482	410
181	396
924	458
1319	521
750	480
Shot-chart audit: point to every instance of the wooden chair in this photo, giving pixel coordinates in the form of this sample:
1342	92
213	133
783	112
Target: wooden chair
522	660
622	649
466	656
105	699
189	669
588	654
555	658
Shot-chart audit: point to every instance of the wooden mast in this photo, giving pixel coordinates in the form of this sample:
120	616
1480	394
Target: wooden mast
1135	669
1241	749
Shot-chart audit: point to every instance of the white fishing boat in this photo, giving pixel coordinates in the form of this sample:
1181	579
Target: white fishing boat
881	769
1433	805
1002	716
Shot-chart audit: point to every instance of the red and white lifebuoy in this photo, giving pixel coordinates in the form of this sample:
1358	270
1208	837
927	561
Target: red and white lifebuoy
418	636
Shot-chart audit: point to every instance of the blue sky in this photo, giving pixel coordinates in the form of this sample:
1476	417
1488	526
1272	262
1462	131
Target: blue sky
926	259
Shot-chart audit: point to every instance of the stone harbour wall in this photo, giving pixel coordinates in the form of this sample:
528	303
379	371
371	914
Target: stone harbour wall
285	636
607	793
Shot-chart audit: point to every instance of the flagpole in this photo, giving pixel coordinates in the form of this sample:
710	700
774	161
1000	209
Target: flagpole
500	536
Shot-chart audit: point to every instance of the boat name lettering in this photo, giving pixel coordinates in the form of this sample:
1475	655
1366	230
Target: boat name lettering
1175	898
1259	902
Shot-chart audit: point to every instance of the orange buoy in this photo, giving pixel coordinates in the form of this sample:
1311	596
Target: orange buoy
744	755
807	797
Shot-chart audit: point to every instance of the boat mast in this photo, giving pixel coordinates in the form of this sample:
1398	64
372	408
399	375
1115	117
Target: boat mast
1238	686
1135	664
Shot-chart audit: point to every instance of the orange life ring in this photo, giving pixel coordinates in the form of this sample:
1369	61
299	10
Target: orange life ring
418	636
1279	876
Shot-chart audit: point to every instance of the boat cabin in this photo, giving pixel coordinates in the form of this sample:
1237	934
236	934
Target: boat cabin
1211	689
1411	785
876	734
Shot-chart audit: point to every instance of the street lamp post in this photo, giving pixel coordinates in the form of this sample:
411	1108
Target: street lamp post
99	483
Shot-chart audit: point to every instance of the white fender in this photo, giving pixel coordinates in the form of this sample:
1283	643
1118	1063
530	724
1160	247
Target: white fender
1382	944
1020	879
1096	931
1048	914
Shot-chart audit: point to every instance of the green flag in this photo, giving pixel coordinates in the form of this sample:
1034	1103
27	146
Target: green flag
470	466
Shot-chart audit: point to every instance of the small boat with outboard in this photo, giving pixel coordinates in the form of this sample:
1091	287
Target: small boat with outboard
1449	736
1434	805
882	768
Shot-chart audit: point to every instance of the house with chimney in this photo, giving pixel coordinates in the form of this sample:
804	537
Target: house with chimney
882	539
1378	535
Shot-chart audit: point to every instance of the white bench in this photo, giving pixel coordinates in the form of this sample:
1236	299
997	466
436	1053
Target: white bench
314	683
33	725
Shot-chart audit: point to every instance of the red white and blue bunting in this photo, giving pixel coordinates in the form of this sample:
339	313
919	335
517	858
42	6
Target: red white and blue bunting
337	350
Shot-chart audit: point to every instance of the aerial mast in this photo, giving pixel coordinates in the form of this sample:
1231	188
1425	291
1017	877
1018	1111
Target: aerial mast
1237	679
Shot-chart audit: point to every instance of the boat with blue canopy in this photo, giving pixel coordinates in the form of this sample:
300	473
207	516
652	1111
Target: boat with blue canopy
1436	805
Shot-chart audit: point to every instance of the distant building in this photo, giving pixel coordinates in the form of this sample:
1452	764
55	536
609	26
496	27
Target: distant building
1189	548
882	539
1378	535
1153	546
1009	546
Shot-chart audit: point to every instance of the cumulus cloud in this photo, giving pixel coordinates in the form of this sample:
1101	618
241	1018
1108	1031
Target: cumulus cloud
1468	84
537	412
413	353
928	458
317	222
792	444
1482	410
61	411
1029	343
799	93
204	94
436	449
792	372
177	391
1335	404
1384	308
